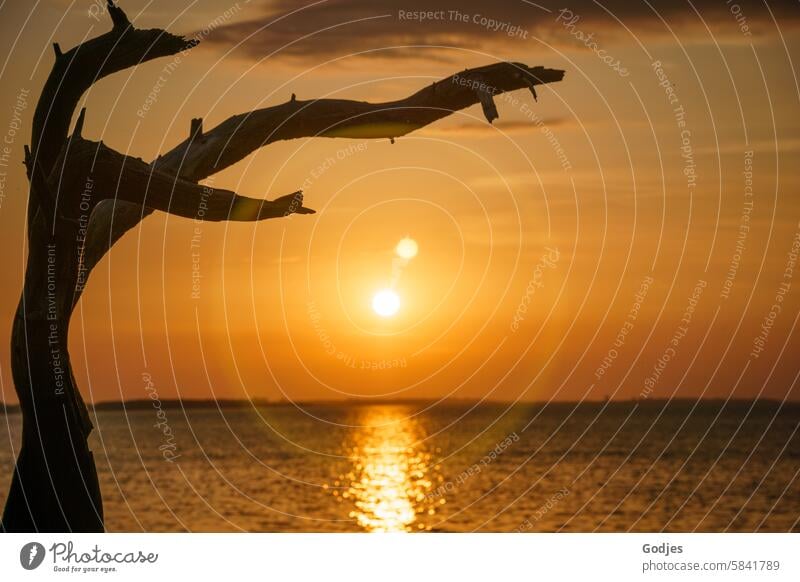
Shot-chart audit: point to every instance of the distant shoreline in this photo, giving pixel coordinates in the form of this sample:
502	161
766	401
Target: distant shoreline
194	404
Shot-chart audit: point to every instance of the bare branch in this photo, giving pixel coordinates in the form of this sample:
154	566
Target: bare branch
113	175
238	136
79	68
118	17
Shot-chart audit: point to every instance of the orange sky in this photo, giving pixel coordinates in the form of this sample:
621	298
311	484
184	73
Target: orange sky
568	207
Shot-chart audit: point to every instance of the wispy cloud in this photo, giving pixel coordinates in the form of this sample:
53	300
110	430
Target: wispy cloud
330	28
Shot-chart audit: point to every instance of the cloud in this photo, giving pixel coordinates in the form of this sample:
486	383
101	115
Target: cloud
325	29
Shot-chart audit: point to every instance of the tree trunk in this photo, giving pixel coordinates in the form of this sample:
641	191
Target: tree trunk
55	487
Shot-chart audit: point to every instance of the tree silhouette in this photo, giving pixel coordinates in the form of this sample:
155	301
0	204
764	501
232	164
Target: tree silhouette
84	196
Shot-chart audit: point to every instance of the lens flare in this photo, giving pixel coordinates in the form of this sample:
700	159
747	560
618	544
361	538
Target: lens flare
407	248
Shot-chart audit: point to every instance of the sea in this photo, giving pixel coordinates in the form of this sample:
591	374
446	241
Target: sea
462	466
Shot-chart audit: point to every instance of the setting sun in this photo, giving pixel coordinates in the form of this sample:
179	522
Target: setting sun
386	303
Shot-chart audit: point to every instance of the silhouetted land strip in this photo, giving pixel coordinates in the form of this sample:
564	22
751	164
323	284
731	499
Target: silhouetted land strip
674	405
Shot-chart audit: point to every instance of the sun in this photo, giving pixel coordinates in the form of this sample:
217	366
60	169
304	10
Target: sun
407	248
386	303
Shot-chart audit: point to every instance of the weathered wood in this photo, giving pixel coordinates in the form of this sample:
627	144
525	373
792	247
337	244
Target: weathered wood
113	175
84	196
54	486
240	135
79	68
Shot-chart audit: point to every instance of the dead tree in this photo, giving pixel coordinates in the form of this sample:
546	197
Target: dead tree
84	196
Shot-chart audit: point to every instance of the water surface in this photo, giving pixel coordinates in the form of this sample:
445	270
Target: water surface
456	467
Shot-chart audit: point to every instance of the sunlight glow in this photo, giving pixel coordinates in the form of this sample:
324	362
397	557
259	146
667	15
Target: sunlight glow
386	303
391	484
407	248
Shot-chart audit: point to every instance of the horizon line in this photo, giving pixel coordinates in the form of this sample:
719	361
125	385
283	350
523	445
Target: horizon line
139	403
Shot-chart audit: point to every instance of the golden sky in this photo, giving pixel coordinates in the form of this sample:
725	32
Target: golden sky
625	236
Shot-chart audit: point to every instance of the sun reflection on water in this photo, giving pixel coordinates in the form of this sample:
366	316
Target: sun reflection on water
392	478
